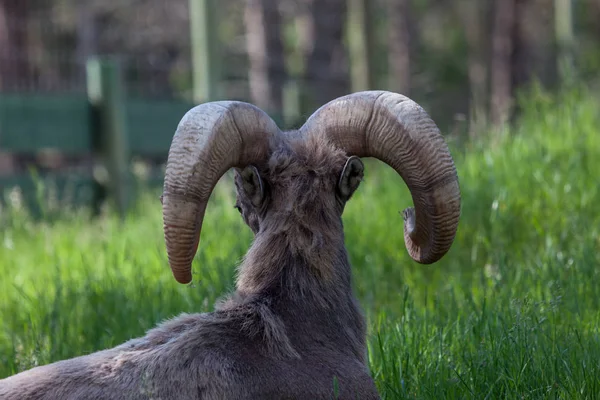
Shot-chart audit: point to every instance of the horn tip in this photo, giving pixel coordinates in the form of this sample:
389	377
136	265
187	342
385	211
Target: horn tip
183	278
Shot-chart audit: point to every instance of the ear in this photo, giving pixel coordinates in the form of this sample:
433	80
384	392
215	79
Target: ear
350	178
252	185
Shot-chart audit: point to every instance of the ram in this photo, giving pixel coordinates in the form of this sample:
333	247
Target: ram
293	328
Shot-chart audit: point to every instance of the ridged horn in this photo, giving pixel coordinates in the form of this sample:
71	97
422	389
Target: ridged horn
210	139
396	130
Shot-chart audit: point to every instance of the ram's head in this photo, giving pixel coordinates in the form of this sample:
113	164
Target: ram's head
286	173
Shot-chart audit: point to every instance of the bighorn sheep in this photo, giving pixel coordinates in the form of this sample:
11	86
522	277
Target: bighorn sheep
293	328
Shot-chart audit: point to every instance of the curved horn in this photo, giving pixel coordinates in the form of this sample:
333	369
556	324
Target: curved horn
397	131
210	139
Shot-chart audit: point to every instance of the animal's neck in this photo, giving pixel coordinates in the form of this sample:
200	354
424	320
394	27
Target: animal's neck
291	258
309	290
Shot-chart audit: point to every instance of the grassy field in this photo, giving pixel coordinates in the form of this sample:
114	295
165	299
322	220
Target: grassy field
511	312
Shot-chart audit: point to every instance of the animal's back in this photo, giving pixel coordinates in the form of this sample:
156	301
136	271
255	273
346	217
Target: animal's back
194	357
316	378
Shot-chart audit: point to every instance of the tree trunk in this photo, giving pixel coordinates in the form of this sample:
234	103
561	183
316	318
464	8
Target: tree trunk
533	49
87	37
360	43
265	51
564	37
501	65
206	71
326	72
13	50
399	45
474	14
595	7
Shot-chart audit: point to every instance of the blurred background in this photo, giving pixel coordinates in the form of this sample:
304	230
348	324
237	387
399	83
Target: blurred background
91	91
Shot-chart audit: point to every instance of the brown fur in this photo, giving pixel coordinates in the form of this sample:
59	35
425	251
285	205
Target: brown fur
292	327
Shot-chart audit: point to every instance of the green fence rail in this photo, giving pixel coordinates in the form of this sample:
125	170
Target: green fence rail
103	125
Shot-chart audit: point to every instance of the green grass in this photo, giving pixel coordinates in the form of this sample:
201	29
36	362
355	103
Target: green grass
513	310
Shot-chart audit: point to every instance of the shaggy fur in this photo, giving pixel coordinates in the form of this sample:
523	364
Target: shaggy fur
291	330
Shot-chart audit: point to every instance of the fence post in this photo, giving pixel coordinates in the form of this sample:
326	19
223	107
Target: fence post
205	50
108	119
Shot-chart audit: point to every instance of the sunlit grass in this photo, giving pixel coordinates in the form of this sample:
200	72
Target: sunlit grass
513	310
